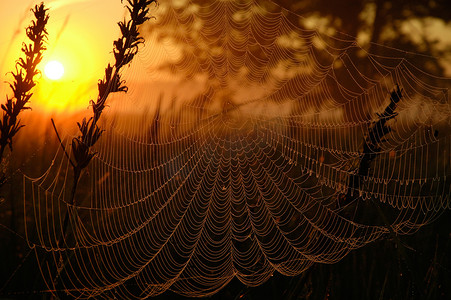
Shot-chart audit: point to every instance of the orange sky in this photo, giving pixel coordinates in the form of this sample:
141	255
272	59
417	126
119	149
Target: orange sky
81	33
80	36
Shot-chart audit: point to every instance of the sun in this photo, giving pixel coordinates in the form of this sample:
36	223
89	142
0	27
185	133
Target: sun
54	70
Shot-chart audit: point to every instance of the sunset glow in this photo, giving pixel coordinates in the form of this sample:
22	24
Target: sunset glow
54	70
78	48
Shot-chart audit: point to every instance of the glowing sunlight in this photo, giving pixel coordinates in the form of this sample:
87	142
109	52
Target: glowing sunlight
54	70
78	48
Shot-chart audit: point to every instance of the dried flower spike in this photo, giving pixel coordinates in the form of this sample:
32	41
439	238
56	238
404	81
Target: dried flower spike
26	70
124	49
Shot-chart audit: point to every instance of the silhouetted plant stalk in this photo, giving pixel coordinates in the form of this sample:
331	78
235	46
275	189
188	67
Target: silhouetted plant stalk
371	149
372	143
24	75
124	50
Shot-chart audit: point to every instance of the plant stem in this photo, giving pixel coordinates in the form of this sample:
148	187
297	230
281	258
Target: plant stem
26	70
124	50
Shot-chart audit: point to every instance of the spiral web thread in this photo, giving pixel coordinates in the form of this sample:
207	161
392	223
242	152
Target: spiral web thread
246	170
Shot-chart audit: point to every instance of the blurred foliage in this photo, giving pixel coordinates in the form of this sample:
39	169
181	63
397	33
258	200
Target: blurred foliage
398	24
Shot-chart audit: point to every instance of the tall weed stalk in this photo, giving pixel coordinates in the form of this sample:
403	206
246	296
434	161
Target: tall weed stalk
124	50
24	80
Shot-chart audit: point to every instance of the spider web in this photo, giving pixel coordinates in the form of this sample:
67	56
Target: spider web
244	168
